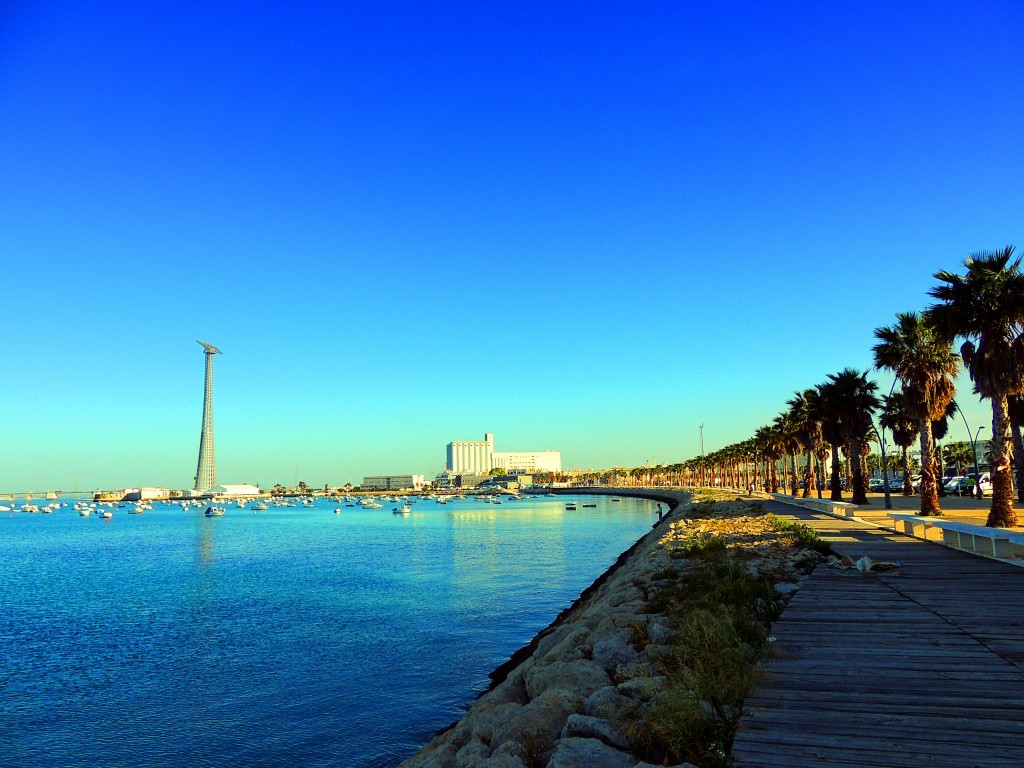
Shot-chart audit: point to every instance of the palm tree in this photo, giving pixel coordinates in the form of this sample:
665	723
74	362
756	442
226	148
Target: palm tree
986	307
802	408
851	398
1016	404
959	455
770	446
789	438
925	365
832	431
898	419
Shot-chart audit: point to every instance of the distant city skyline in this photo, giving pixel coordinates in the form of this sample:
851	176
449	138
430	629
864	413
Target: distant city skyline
589	228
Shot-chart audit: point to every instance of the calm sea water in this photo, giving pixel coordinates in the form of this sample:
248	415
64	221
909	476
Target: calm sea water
291	636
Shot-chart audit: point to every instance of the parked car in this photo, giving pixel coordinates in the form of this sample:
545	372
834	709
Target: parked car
896	484
953	485
876	485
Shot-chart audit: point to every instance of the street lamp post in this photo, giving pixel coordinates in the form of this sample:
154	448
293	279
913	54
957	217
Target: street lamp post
974	450
702	467
885	465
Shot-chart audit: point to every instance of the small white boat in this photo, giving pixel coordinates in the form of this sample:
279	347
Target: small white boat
214	511
84	511
260	506
105	514
337	510
404	510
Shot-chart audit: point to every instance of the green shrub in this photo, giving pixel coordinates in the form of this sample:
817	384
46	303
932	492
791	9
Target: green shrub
803	536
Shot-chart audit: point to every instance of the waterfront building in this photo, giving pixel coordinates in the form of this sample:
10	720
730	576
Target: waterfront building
479	457
206	470
133	494
471	481
528	462
446	479
392	483
235	490
471	456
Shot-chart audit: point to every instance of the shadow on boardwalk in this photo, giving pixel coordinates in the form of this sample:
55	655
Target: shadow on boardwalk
920	667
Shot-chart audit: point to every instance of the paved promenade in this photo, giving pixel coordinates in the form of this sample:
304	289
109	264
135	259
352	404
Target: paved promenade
923	666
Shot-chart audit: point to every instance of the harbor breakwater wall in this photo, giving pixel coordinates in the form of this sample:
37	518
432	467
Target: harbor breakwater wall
561	701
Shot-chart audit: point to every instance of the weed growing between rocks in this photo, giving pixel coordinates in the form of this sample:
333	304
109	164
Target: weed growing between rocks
721	610
653	661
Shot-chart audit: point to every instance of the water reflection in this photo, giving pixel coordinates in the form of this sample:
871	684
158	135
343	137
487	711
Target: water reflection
204	541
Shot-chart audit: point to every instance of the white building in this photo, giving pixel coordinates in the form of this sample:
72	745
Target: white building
528	462
234	490
392	483
478	457
471	457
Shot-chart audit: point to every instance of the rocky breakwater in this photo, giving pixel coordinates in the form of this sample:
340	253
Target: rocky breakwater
652	667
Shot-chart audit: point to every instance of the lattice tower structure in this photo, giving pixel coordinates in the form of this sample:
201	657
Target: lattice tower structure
206	470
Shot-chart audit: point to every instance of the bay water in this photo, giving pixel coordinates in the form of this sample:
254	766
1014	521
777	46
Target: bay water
291	636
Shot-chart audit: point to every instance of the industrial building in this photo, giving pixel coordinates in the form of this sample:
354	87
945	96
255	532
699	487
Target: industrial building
479	457
392	483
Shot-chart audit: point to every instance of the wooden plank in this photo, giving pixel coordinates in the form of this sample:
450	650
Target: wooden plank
922	666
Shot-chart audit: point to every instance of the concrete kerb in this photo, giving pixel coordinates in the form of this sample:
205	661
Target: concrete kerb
996	544
841	509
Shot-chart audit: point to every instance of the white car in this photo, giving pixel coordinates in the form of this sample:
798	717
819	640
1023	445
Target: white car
985	481
952	484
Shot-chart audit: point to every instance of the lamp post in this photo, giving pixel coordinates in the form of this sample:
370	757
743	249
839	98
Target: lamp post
974	450
885	465
702	468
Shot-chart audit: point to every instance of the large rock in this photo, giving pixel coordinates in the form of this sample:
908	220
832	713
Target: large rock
589	753
564	646
538	725
658	633
581	677
642	688
607	703
484	720
589	727
472	754
610	654
503	761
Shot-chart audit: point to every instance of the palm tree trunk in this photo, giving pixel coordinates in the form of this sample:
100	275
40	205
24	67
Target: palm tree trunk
837	492
929	479
796	484
809	475
821	456
1018	460
908	486
1002	514
775	476
860	492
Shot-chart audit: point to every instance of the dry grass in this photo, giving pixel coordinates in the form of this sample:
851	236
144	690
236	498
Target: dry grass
721	614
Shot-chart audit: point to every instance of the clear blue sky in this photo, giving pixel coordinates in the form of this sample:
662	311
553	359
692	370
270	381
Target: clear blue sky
588	227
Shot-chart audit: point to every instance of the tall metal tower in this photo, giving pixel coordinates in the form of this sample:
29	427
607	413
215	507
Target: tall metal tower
206	471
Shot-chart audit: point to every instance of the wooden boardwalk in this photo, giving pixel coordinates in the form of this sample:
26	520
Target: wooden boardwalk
921	667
